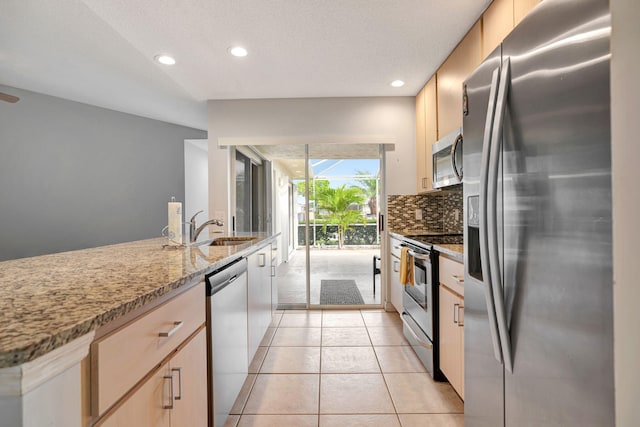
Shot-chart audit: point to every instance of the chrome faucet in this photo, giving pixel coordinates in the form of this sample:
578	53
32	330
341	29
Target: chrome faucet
195	232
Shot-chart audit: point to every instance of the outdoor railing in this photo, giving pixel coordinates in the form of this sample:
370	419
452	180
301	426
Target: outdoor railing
359	234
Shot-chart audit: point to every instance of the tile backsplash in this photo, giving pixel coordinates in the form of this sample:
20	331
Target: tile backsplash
441	212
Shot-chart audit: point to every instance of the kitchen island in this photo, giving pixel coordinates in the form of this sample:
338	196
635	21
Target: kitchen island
52	305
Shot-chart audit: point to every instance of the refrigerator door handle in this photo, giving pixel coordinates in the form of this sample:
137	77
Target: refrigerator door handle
492	216
484	243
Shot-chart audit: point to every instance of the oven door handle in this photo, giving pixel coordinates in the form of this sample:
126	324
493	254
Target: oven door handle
422	257
426	345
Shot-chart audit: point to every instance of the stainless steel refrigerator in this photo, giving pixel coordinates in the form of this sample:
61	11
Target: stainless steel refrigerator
538	244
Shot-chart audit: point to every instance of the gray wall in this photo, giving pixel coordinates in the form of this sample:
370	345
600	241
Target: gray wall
74	176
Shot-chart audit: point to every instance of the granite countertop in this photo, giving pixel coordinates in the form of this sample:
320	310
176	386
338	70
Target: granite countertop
453	251
50	300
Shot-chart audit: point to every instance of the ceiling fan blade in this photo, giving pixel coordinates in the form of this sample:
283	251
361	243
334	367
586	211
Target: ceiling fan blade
8	98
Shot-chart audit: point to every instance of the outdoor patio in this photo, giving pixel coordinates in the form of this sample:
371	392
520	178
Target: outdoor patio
327	264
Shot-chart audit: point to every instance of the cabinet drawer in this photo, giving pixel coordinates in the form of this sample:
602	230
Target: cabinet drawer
122	358
394	247
452	274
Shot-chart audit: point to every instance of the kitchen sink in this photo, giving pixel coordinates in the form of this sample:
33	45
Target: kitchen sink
231	241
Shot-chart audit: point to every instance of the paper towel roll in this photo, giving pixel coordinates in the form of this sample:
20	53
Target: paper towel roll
174	233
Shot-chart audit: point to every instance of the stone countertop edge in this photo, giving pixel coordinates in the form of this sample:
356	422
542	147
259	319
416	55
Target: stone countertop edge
48	301
455	252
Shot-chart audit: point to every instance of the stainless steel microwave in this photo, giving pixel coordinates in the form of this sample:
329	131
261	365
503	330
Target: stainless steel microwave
447	160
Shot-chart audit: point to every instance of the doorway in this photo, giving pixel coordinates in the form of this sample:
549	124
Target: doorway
333	195
252	192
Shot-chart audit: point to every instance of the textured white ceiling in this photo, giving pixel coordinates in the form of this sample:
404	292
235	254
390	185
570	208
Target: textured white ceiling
101	52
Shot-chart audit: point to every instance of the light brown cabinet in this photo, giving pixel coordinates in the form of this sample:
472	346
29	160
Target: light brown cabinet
145	408
151	370
497	23
421	155
451	317
521	8
459	65
174	395
189	365
426	134
452	338
141	345
500	18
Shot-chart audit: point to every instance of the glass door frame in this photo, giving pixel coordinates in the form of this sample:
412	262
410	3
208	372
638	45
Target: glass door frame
382	206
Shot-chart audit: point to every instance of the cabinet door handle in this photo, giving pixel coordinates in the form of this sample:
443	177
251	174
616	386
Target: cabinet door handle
461	322
273	271
179	371
170	378
455	312
262	260
425	182
459	279
176	325
396	266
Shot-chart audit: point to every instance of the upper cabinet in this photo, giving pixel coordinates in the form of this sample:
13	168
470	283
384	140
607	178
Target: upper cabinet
497	23
521	8
500	18
459	65
426	134
420	143
439	103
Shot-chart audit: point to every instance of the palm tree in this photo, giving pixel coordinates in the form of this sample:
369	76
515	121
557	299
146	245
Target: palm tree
336	201
369	187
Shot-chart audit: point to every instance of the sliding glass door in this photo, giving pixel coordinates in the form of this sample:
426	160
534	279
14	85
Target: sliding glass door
344	241
326	204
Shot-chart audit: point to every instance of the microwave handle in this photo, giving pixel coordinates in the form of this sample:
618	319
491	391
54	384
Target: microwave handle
454	165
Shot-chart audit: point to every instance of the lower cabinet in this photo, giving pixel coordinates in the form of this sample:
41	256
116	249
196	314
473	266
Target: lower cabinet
258	297
452	337
188	368
174	395
394	271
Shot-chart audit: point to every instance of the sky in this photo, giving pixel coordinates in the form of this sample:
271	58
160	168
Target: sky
340	171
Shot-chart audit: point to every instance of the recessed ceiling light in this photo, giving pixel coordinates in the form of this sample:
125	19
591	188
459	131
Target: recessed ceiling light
397	83
238	51
165	59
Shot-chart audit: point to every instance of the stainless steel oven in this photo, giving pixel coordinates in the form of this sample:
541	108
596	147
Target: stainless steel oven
420	304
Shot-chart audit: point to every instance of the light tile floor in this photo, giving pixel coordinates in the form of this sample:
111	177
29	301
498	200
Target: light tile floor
354	264
341	368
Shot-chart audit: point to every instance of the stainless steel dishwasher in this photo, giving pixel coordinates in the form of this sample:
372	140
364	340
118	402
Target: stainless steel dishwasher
227	338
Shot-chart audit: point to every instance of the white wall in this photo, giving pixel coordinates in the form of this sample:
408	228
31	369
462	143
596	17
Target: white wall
220	173
196	179
281	211
625	105
309	118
